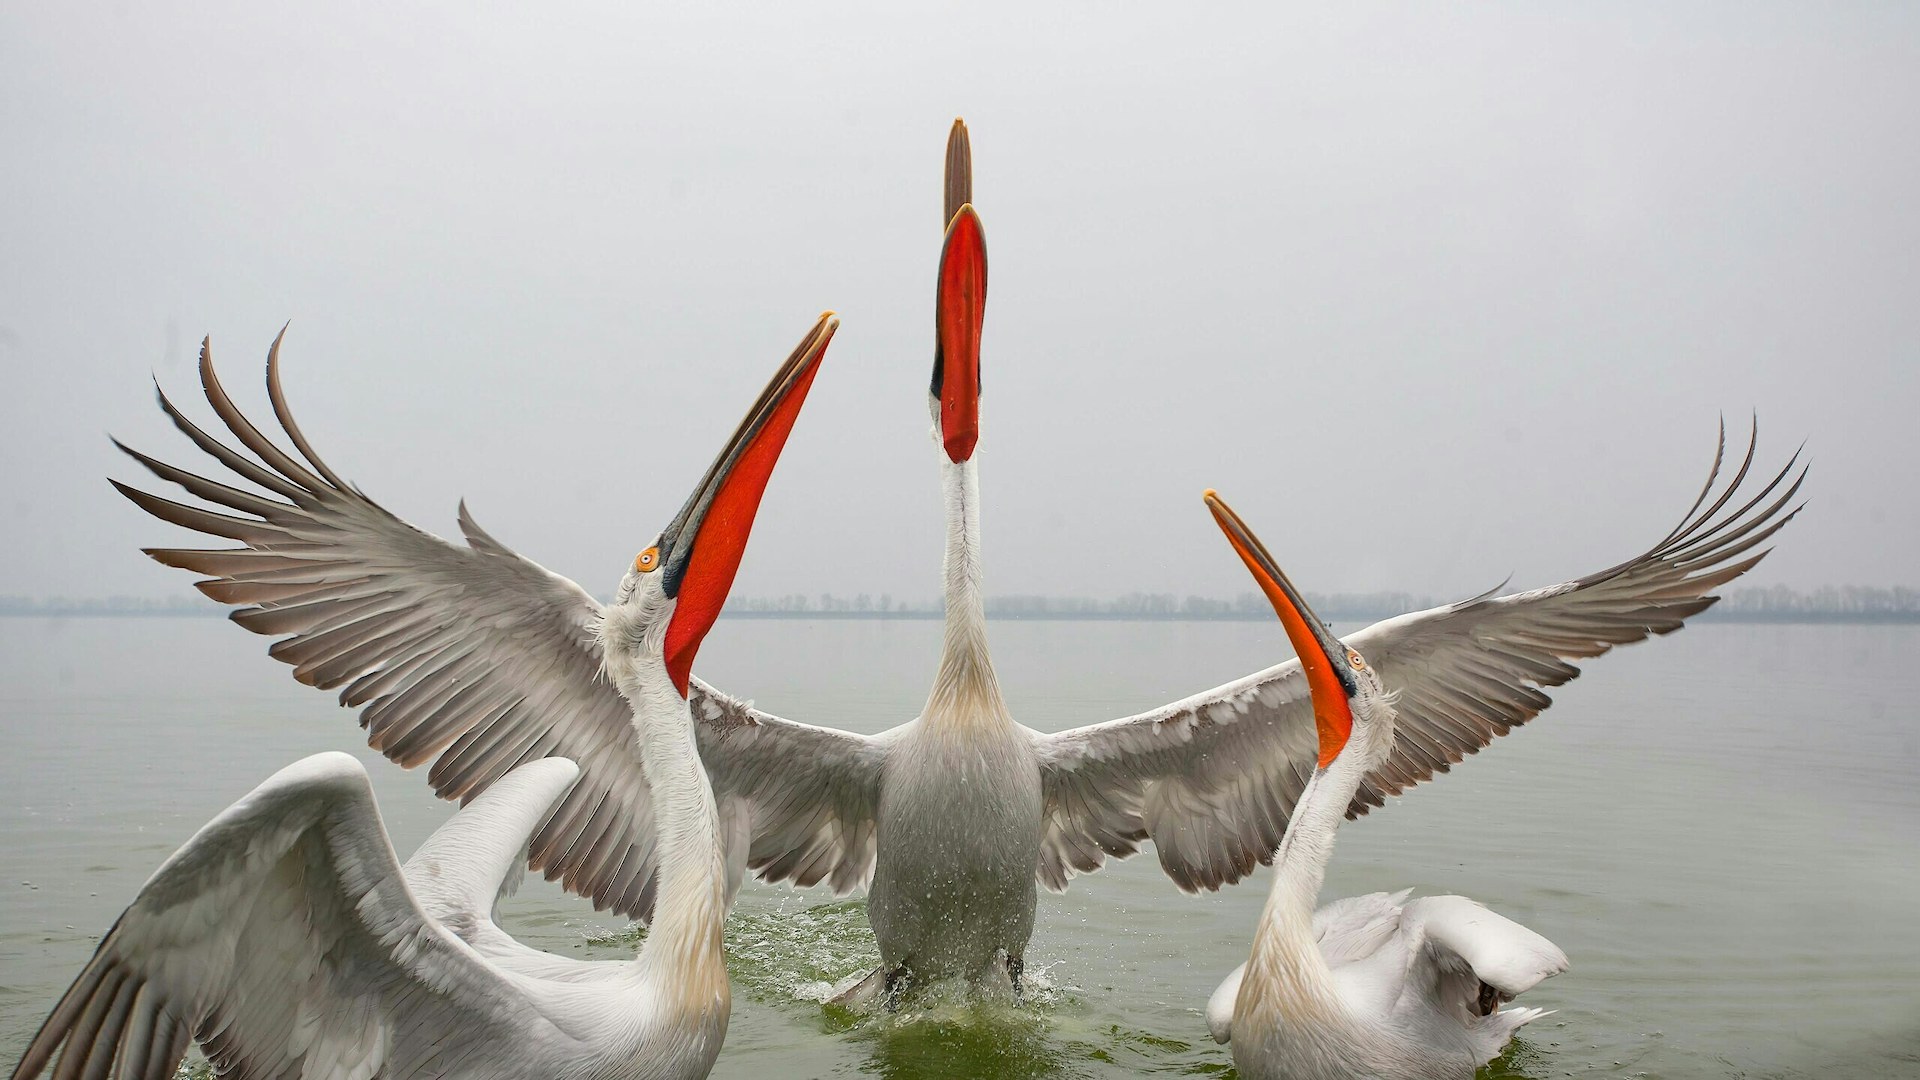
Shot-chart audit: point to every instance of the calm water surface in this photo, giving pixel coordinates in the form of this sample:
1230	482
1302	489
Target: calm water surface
1720	828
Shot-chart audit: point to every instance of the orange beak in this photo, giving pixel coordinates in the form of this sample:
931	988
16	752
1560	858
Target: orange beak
703	546
960	305
1329	676
959	313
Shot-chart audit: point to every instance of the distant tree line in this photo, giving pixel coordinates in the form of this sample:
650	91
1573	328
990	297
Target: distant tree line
1778	603
1136	605
1863	603
1830	603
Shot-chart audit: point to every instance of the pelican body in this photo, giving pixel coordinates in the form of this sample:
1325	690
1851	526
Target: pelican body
1371	986
958	813
286	939
470	659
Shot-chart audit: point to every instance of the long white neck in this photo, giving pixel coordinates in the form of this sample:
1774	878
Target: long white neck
965	691
682	949
1287	976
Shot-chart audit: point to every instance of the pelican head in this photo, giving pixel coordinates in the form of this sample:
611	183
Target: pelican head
671	595
1348	696
960	309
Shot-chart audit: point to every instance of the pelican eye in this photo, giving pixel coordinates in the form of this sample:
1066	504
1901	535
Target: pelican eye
647	561
1354	659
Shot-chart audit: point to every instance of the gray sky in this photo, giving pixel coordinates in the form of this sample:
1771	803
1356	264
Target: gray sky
1431	296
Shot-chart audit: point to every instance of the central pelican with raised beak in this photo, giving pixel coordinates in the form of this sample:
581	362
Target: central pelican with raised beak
1373	985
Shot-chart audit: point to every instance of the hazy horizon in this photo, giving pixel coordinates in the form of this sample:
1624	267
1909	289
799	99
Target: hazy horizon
1737	603
1435	297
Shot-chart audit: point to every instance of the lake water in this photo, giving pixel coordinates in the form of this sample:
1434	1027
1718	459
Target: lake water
1721	829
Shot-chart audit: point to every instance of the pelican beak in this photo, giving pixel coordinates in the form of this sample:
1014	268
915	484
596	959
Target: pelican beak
960	309
1330	675
959	171
701	549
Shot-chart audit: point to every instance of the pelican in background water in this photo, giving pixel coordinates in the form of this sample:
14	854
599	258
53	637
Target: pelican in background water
287	940
1376	985
475	659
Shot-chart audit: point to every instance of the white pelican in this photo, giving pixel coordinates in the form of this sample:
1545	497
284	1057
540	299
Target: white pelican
1374	985
286	939
475	659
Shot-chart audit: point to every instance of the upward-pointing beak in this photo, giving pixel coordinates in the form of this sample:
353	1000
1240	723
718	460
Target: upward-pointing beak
960	306
702	548
959	171
960	312
1330	677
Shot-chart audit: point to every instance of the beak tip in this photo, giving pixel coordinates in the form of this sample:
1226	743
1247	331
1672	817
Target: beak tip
960	444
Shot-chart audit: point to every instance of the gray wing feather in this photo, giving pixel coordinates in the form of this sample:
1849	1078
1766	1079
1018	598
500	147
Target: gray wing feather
472	658
812	792
1213	779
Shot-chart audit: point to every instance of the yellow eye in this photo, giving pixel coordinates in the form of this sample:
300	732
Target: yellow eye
647	561
1354	659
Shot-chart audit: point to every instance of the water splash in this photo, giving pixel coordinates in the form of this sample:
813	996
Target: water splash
784	951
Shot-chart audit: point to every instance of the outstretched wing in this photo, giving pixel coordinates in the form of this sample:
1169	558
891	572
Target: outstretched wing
284	940
470	657
1213	779
806	795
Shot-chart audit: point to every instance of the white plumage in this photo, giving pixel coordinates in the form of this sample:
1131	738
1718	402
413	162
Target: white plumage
286	939
1383	950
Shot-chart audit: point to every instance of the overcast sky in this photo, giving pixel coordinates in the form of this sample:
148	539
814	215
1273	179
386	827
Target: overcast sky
1432	296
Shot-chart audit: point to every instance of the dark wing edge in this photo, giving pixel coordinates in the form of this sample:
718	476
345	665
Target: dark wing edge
1470	672
473	658
478	660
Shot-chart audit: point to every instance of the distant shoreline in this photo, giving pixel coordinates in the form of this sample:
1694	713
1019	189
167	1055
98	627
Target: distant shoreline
1713	615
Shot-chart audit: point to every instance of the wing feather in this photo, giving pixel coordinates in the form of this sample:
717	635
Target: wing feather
811	792
1213	779
284	939
476	660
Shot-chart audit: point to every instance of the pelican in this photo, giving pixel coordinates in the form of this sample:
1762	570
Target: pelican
1376	985
475	659
286	939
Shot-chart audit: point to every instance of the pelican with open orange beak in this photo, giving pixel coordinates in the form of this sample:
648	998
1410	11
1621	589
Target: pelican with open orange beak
401	970
683	577
1374	985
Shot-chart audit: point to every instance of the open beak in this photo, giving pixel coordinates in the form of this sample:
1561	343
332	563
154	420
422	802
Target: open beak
960	306
701	549
1330	677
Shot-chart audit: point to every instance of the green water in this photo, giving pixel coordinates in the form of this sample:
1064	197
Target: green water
1722	830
